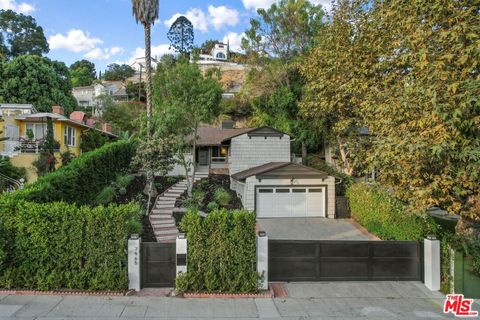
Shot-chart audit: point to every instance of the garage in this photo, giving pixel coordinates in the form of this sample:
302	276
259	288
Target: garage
285	202
286	190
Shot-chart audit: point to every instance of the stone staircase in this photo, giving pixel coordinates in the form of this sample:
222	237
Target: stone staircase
161	216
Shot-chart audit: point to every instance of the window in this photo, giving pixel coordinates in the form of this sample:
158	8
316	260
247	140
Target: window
265	190
39	130
219	154
299	190
221	55
69	136
315	190
282	190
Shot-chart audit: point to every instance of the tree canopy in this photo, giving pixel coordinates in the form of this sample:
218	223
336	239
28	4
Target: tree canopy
83	73
117	72
284	30
20	35
39	81
181	35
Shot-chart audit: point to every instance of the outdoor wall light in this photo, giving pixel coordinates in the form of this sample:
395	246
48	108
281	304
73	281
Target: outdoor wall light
134	236
262	234
181	236
432	237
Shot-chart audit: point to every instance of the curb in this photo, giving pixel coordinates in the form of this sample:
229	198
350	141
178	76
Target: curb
65	292
266	295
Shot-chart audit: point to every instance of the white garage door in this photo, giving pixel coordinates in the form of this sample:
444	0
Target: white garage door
290	202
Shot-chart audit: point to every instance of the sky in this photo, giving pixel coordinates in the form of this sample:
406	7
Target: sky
104	31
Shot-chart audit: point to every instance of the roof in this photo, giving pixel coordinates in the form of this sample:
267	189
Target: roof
211	136
208	136
276	170
58	117
120	92
77	116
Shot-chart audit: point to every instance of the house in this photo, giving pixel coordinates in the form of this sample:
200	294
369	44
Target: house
258	161
86	96
219	52
26	130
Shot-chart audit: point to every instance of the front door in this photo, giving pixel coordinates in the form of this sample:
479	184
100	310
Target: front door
203	157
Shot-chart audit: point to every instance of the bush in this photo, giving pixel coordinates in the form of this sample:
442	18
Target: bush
82	179
59	245
222	197
212	205
385	216
221	252
92	139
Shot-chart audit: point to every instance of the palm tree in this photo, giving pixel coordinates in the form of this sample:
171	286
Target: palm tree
146	12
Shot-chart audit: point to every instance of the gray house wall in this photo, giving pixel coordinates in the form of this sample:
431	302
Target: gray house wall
248	152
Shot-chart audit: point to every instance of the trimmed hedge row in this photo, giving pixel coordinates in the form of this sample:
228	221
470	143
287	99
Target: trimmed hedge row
82	179
385	216
59	245
221	252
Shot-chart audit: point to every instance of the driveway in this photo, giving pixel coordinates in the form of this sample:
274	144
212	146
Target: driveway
313	229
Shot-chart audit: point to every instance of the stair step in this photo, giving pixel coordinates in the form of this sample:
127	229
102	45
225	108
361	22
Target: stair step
158	225
163	201
167	239
171	234
162	210
160	217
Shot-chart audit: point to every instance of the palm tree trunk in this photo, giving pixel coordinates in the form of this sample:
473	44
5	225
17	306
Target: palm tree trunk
148	76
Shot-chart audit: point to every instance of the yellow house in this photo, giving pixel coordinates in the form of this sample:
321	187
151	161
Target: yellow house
26	131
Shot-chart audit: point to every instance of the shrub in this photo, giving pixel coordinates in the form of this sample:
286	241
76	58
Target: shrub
59	245
212	205
221	252
385	216
222	197
106	196
91	140
66	157
82	179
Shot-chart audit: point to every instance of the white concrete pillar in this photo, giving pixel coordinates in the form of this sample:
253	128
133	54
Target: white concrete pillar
181	253
262	259
134	262
431	254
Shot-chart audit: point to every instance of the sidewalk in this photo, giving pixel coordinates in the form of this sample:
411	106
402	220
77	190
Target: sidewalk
349	300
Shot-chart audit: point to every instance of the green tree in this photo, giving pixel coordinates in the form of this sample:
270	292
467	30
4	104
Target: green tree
124	116
185	98
117	72
92	139
333	90
208	45
422	104
39	81
181	35
21	35
136	91
286	29
83	73
276	87
46	159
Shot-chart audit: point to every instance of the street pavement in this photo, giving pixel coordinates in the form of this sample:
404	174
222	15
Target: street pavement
321	300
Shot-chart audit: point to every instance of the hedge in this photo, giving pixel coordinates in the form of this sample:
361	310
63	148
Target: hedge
221	252
385	216
59	245
82	179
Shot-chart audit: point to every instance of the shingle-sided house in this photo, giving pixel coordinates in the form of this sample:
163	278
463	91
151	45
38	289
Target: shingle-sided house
258	161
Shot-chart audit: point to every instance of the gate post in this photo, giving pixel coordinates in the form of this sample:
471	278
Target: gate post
134	262
181	254
431	268
262	259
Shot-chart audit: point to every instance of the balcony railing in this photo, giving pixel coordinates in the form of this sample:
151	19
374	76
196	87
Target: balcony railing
12	147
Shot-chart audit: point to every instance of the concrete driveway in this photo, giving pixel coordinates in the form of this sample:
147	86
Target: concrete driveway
313	229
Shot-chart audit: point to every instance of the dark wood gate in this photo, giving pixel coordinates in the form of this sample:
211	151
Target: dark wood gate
312	260
158	264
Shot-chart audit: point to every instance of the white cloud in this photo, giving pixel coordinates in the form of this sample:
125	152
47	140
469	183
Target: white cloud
75	40
220	16
234	39
103	53
257	4
216	17
265	4
196	16
21	7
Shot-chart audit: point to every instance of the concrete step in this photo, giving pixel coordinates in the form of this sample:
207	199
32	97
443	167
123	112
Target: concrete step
166	224
160	218
171	239
166	230
165	205
163	201
162	211
169	196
